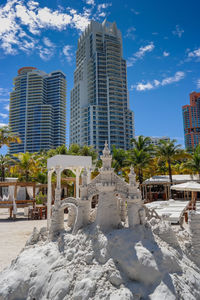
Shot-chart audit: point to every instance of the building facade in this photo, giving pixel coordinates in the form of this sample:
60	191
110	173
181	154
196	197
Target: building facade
99	100
156	140
191	121
38	110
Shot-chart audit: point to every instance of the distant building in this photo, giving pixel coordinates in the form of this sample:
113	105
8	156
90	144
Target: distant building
191	121
38	110
99	100
156	140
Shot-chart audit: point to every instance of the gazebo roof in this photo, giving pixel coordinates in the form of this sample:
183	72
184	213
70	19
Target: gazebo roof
162	179
69	161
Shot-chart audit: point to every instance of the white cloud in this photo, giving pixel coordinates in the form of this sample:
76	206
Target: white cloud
32	4
101	10
198	83
3	124
48	43
54	19
103	6
156	83
7	107
4	100
67	52
130	33
165	53
140	54
195	53
16	16
80	22
178	31
177	77
135	11
4	116
90	2
3	92
21	23
143	87
45	53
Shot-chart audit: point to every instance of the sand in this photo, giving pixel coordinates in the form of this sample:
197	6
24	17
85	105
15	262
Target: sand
151	261
14	234
147	262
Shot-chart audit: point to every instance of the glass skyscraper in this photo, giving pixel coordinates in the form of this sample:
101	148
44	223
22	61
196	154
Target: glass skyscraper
99	100
38	110
191	121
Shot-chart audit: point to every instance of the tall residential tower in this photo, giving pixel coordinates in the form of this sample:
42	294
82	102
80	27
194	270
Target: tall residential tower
191	121
38	110
99	100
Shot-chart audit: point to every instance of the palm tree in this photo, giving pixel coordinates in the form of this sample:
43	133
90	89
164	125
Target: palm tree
62	150
74	149
168	151
88	151
140	155
5	163
142	143
193	163
119	157
26	166
140	159
7	137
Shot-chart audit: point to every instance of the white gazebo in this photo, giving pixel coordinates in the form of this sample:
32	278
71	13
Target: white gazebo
59	163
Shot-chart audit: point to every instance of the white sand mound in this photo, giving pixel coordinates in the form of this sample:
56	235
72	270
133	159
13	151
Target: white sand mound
124	264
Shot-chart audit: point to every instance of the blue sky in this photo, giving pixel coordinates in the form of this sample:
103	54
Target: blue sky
160	43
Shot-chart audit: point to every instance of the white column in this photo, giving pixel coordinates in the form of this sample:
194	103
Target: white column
49	198
78	172
58	170
89	174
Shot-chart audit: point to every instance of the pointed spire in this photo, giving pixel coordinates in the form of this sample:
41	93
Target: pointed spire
132	176
104	22
106	150
132	172
106	157
114	28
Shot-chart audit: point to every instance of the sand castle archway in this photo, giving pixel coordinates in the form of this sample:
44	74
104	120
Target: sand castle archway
73	215
59	163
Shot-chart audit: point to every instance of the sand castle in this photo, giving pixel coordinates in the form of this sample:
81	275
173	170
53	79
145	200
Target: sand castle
117	199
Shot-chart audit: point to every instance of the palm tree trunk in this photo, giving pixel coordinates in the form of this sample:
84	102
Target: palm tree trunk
170	176
2	179
170	172
27	179
140	176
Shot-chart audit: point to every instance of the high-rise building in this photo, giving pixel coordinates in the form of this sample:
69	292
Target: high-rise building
38	110
99	100
191	121
155	141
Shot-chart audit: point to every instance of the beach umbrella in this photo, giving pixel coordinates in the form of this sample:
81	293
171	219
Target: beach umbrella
189	186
